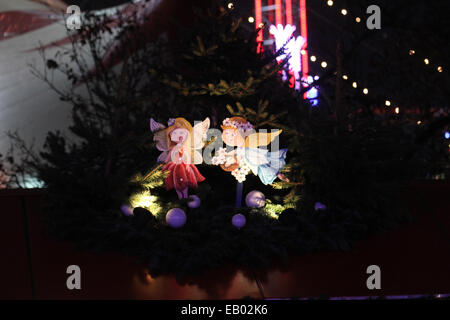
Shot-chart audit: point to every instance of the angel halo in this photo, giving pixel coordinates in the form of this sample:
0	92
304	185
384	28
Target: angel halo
180	144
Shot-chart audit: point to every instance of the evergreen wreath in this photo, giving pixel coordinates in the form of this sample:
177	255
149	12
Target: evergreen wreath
212	70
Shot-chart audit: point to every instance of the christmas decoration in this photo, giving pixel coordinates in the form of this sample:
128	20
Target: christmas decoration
238	132
293	46
216	72
239	220
176	218
255	199
144	199
320	206
180	143
194	202
238	170
126	210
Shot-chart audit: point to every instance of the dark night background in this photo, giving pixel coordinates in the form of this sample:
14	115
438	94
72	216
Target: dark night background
380	60
379	171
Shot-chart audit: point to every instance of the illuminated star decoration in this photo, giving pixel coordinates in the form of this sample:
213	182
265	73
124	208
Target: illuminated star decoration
293	47
282	34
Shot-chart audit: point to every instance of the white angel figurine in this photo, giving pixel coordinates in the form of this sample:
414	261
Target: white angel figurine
239	133
180	144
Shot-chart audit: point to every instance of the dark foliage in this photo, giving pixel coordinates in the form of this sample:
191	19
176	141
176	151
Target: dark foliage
356	174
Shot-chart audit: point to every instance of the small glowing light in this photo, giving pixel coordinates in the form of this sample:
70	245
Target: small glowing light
345	77
397	110
313	58
273	215
440	69
145	200
365	91
303	52
447	135
412	52
427	61
316	78
358	19
148	278
355	85
261	25
387	103
324	64
274	210
330	3
419	123
344	12
230	5
251	19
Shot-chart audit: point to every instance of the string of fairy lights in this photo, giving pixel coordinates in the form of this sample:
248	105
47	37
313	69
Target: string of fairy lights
388	103
323	63
412	52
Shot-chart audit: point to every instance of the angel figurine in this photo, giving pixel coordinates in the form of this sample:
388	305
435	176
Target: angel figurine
239	133
180	144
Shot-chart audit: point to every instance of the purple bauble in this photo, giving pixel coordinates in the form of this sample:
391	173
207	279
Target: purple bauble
238	220
126	210
255	199
176	218
194	202
320	206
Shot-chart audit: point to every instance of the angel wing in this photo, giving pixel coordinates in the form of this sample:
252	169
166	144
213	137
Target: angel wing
198	139
258	139
159	136
162	157
199	134
155	126
197	157
161	141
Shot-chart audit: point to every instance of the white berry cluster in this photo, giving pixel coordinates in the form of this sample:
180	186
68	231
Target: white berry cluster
241	172
238	125
220	158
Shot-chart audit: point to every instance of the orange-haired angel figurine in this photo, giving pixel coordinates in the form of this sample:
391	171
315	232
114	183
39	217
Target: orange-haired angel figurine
238	132
180	144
